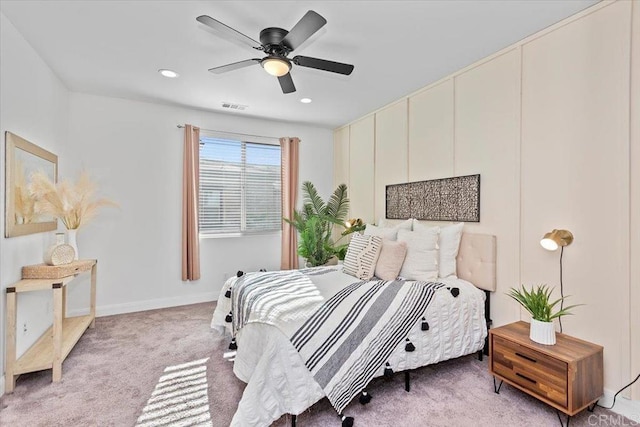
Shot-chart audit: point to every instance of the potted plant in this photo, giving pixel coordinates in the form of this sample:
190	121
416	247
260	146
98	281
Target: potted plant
315	223
538	303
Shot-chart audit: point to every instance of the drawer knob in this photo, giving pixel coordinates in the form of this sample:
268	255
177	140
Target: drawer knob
530	359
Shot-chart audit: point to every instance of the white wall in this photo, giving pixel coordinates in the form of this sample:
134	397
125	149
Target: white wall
134	150
33	104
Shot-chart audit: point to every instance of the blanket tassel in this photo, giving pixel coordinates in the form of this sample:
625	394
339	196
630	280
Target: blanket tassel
388	372
364	397
346	421
454	291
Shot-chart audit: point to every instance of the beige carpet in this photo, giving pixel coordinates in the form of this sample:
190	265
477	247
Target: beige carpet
165	367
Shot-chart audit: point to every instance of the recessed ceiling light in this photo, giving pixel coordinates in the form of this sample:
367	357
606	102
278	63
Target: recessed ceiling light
168	73
306	100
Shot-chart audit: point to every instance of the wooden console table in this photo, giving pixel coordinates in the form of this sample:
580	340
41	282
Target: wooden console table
50	350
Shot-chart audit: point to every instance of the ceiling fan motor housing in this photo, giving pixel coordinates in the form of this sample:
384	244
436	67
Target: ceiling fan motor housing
271	40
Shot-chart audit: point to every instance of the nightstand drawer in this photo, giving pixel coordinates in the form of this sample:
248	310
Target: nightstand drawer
530	369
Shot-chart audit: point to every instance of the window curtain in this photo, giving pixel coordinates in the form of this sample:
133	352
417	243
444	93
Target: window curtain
289	152
190	194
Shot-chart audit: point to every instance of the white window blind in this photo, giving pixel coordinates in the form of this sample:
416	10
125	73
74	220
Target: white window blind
240	190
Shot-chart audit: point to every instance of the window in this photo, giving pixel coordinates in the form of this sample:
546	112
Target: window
240	190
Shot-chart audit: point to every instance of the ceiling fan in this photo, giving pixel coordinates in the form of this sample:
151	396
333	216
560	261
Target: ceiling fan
278	43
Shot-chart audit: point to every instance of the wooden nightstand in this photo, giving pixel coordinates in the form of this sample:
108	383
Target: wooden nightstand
567	375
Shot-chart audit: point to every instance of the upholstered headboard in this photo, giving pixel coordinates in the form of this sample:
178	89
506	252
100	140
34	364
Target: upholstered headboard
476	261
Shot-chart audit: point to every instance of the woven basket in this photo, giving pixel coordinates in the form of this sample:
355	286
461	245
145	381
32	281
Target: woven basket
44	271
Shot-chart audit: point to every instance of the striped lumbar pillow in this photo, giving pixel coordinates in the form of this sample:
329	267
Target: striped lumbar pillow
362	256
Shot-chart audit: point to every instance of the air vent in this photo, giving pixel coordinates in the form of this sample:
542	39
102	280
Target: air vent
231	106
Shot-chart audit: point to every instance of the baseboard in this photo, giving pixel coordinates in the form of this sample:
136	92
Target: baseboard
1	385
131	307
626	407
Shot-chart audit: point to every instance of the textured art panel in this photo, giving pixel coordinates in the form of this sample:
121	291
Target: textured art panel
446	199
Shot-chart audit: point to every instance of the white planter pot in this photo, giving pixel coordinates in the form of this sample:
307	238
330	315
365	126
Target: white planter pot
542	332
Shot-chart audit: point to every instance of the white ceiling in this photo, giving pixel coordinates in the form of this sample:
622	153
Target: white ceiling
115	48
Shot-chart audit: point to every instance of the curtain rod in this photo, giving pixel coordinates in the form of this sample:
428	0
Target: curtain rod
235	133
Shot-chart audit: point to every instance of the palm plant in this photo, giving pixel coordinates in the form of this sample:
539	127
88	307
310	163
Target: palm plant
538	302
315	222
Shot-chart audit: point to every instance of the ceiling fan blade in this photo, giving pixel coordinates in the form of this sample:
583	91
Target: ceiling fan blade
323	64
305	28
227	31
286	83
234	66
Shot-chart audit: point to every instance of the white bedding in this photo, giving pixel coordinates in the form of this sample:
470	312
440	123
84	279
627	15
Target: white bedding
278	381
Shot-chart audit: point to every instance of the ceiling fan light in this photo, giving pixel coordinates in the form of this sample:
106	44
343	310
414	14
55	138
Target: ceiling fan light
168	73
275	66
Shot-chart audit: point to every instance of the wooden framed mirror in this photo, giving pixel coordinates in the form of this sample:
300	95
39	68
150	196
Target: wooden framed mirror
22	159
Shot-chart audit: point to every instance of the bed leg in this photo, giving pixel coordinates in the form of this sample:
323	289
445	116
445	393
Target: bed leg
480	353
293	420
407	381
487	318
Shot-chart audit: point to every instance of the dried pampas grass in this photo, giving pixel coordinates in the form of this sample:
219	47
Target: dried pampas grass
24	202
75	204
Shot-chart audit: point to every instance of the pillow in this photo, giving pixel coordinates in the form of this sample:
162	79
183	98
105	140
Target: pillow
361	257
389	223
385	233
390	260
449	244
421	262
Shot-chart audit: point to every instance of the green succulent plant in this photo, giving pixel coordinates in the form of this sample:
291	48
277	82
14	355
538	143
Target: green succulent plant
538	302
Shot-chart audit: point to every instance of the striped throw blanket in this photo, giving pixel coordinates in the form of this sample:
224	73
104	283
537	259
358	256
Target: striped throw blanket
346	341
275	298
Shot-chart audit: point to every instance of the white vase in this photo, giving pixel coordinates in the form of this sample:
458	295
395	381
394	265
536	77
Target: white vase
71	241
542	332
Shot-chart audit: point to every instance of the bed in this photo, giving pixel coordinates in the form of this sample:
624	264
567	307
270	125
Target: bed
279	381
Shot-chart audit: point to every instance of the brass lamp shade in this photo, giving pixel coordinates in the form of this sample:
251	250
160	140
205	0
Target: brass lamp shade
555	238
353	222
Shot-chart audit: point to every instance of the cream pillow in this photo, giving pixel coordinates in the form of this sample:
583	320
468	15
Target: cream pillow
390	259
388	223
449	245
362	255
421	262
385	233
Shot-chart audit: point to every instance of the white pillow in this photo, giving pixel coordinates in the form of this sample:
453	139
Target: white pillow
449	245
362	255
421	262
385	233
388	223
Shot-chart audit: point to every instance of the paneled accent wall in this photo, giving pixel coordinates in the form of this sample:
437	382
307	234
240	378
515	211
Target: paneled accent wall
487	129
361	153
634	223
575	173
551	124
431	133
391	150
